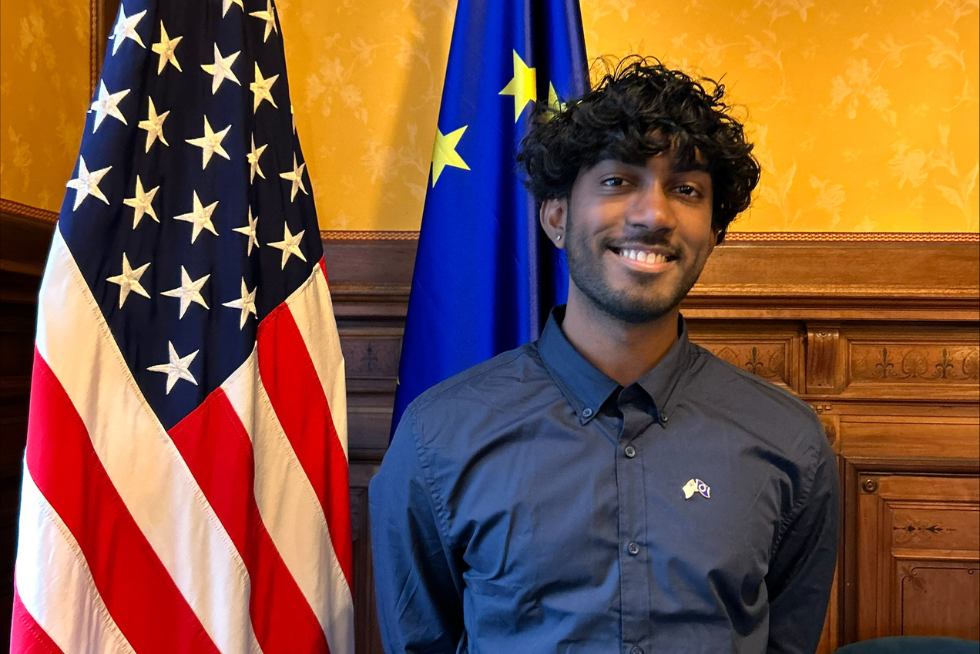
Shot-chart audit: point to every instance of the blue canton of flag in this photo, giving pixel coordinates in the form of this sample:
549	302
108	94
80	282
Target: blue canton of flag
484	278
186	482
190	190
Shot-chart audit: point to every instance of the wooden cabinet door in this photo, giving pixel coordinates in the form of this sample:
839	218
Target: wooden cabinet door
918	548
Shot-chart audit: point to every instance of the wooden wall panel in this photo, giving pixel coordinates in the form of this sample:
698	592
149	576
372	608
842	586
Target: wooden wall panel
918	555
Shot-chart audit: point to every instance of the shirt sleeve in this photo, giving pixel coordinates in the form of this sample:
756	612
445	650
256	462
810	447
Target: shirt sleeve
419	592
802	570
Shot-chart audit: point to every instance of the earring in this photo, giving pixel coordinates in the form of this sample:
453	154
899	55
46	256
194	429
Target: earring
557	237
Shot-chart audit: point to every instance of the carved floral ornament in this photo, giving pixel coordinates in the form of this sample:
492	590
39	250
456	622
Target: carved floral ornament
766	361
919	530
916	363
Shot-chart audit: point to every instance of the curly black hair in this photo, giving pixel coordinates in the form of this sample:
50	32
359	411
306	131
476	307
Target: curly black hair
635	111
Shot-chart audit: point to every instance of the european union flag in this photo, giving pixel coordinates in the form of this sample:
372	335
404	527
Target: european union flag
484	277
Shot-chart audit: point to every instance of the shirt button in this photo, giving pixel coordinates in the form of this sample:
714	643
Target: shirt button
630	451
663	418
636	650
633	549
587	412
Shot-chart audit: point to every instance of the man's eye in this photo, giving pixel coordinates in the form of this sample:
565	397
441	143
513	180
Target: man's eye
614	181
685	189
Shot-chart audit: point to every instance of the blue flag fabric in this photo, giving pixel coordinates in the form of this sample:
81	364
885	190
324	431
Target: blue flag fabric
485	277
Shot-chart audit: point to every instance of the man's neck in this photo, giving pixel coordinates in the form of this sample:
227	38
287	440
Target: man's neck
623	351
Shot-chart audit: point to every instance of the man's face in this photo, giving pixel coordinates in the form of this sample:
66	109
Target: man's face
638	236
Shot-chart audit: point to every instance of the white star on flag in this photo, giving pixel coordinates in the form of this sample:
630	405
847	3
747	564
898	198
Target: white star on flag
176	368
289	245
269	16
142	203
200	217
166	48
210	143
262	88
253	160
107	103
226	5
129	280
125	28
221	69
154	125
246	304
188	291
296	177
251	231
87	183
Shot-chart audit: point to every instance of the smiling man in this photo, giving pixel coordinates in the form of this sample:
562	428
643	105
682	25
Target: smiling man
613	487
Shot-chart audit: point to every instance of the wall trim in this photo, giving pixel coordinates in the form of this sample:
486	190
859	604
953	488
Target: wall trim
27	211
732	237
346	235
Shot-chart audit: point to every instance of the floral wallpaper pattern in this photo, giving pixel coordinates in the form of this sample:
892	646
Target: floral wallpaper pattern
864	113
44	93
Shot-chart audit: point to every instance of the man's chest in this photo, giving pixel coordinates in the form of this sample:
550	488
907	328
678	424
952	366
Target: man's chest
679	519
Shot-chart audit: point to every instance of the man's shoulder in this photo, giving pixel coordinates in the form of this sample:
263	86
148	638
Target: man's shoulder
498	375
774	406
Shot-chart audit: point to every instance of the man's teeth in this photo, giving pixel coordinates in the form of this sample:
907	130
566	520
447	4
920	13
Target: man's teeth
643	256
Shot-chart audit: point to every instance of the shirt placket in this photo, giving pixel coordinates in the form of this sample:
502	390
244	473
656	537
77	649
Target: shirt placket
634	551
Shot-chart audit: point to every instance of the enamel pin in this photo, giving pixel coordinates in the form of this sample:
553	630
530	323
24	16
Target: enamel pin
696	486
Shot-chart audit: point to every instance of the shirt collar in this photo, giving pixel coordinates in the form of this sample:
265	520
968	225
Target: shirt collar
587	388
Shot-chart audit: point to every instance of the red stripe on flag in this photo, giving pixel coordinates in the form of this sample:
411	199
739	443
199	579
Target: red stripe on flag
323	269
137	590
26	635
217	449
297	396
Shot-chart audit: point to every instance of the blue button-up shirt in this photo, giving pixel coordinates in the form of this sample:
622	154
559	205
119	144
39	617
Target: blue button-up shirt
531	504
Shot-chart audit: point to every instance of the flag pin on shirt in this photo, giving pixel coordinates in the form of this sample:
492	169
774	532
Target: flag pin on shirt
696	486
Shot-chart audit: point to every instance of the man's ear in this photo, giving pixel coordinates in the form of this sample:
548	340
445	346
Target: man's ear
553	215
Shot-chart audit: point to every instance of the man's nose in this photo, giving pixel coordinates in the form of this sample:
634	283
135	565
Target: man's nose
651	208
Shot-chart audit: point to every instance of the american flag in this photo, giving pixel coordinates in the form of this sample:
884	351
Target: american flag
185	484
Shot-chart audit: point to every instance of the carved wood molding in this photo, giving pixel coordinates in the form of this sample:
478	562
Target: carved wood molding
27	211
915	363
822	357
731	237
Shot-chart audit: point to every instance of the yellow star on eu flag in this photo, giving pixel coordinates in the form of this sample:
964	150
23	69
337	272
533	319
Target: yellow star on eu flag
523	86
444	152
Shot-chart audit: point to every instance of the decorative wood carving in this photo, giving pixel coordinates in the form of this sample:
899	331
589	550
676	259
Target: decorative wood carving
915	364
918	539
765	360
822	355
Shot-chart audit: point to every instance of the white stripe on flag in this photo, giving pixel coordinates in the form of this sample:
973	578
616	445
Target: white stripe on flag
290	510
55	584
312	310
144	465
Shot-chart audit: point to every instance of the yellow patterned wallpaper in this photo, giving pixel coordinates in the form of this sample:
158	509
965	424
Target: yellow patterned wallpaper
44	92
865	113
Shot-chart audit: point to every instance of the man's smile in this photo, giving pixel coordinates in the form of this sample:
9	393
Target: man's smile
645	259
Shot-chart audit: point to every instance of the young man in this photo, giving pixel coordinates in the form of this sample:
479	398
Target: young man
613	487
